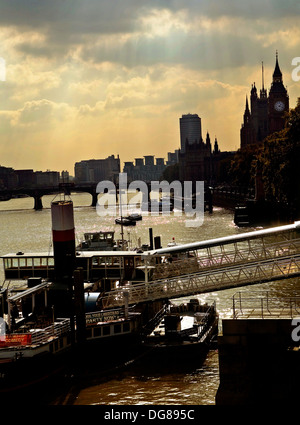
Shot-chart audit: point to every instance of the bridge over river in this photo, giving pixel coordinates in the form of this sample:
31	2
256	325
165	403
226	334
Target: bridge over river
248	258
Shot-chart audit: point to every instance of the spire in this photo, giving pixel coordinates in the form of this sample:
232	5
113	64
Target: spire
277	75
253	92
216	147
247	105
247	113
263	92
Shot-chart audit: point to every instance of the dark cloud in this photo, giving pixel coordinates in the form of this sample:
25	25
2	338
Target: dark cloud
195	51
113	16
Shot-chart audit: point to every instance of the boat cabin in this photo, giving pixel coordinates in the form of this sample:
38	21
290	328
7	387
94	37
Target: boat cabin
97	265
99	241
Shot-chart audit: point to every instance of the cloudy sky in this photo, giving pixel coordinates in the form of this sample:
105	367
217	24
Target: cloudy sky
90	78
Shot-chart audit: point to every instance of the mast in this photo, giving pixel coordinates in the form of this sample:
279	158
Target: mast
122	232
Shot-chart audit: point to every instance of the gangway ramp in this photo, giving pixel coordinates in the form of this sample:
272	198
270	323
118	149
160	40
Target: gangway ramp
256	257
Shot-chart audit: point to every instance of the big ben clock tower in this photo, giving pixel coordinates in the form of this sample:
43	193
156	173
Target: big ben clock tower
278	102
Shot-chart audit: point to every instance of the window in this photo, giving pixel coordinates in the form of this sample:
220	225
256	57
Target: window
97	332
126	327
117	329
88	333
106	330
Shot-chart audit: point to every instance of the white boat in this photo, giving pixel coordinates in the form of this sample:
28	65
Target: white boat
97	241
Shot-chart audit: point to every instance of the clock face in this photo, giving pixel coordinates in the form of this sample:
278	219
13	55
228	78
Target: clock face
279	106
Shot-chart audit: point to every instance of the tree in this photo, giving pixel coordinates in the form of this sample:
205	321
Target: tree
280	163
171	173
242	170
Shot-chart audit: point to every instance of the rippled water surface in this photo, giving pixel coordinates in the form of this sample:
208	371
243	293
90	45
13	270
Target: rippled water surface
23	229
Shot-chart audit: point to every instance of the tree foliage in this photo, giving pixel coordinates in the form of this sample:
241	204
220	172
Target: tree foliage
277	160
280	162
242	171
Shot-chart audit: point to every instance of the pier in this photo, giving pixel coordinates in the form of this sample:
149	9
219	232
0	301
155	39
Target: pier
258	358
230	262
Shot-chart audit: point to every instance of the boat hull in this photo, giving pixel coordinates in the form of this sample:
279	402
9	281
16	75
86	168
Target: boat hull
173	353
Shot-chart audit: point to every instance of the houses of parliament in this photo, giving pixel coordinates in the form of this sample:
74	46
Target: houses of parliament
266	113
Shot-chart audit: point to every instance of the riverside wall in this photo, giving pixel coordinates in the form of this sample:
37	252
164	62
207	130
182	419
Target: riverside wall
259	363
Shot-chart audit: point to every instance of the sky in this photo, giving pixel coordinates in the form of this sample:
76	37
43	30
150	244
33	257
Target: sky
84	79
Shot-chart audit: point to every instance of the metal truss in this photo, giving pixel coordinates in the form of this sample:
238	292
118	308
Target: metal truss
265	270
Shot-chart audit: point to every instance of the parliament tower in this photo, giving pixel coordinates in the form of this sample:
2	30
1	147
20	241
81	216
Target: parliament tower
267	112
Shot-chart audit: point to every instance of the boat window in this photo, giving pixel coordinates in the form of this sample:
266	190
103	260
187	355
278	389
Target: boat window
116	261
44	261
36	262
7	263
51	261
15	262
89	333
106	330
109	261
101	261
126	327
29	262
22	262
97	332
117	329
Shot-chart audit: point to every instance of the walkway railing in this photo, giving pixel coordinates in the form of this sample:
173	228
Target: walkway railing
210	259
264	305
206	281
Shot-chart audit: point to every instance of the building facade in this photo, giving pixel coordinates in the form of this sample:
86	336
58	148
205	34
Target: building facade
190	131
96	170
266	113
146	169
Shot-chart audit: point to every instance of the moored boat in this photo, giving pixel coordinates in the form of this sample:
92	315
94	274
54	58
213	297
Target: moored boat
135	217
183	335
35	345
125	221
97	241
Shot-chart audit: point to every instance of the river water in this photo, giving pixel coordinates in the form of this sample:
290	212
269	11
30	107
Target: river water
24	229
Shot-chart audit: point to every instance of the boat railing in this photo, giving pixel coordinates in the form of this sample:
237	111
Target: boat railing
201	327
154	321
57	329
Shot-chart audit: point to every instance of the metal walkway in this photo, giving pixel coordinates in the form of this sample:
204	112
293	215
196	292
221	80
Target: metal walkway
249	258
